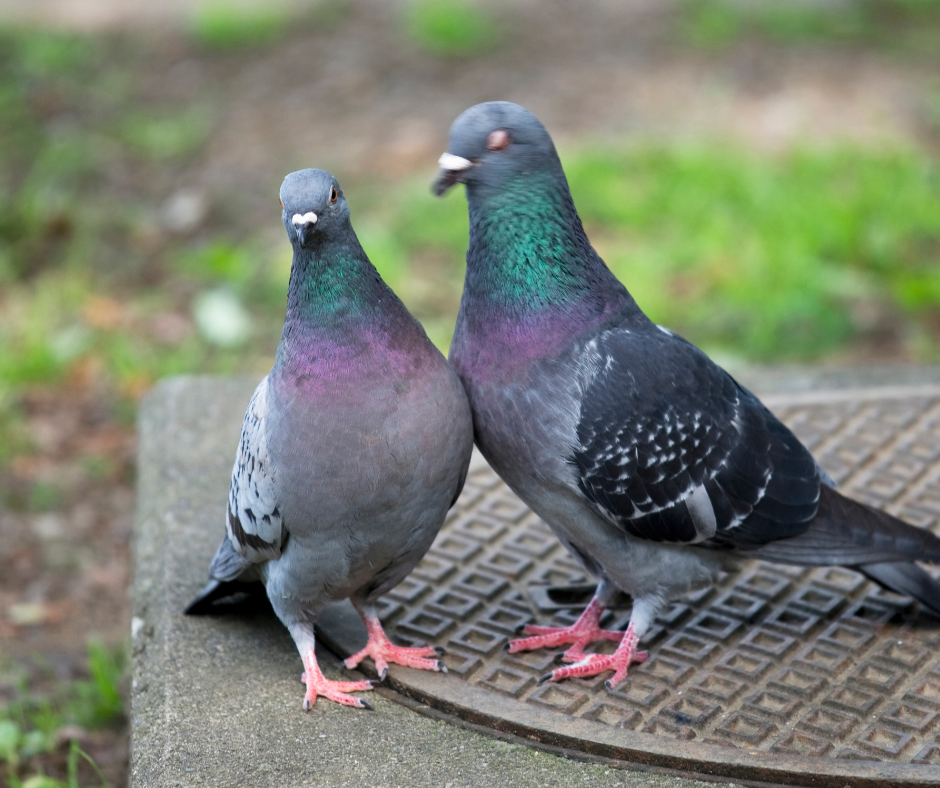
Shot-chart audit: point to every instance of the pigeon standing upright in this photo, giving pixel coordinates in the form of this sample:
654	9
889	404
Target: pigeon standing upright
352	450
651	464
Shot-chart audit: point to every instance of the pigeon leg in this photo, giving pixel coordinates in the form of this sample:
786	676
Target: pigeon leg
319	685
592	664
383	651
582	632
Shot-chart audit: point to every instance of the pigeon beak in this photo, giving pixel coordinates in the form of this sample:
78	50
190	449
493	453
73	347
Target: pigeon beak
304	226
452	168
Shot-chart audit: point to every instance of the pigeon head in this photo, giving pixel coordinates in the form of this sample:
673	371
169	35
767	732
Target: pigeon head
491	143
314	207
528	257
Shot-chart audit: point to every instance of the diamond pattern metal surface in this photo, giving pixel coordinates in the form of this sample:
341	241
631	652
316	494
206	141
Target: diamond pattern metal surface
781	660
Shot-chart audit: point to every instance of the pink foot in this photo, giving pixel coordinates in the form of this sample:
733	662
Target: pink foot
383	651
592	664
331	690
582	632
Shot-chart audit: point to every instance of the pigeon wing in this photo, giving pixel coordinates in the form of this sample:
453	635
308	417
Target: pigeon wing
253	522
672	449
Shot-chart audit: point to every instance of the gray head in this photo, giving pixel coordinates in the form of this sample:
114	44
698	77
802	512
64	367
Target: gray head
314	207
492	142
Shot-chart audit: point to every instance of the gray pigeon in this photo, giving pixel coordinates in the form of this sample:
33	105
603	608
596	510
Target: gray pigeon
352	450
649	462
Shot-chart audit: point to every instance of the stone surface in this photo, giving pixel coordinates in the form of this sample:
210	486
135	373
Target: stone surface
216	701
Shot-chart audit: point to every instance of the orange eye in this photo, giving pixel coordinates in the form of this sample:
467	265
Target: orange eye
280	201
333	194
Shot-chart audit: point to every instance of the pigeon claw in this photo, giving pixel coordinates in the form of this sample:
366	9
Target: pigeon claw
579	635
336	691
582	632
320	686
383	651
592	664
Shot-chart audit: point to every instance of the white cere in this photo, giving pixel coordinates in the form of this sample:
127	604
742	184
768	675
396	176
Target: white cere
454	163
308	218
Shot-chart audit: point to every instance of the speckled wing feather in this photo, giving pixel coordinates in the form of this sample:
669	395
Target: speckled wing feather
253	519
672	449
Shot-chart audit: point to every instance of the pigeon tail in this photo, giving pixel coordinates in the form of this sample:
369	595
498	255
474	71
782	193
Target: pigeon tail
906	579
851	533
227	564
229	575
215	590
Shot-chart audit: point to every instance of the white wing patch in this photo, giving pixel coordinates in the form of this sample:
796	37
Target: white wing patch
702	513
253	520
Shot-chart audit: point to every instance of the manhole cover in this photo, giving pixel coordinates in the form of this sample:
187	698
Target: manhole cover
803	676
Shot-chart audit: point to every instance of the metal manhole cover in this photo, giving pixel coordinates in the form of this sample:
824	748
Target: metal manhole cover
804	676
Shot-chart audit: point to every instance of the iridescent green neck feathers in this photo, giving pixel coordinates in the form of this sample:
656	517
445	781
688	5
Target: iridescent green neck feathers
528	250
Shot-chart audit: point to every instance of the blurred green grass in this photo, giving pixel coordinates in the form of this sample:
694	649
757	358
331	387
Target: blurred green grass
450	28
797	256
36	722
231	26
900	26
227	25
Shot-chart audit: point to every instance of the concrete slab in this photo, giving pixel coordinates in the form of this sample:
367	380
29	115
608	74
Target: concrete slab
216	701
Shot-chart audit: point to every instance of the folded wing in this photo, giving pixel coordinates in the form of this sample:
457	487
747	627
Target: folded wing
672	449
254	524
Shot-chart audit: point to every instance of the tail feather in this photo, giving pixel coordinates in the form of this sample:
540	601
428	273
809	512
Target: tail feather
207	601
907	579
882	547
230	575
227	564
851	533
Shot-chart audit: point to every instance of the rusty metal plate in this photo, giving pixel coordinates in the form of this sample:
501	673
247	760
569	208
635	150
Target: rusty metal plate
778	673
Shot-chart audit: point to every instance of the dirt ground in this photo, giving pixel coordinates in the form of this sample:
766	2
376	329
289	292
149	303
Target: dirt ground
356	98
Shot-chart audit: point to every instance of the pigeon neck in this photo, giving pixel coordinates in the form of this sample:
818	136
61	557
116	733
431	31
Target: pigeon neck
339	311
332	288
529	260
342	322
528	252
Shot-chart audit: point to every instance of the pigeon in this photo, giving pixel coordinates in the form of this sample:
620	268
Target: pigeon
352	450
651	464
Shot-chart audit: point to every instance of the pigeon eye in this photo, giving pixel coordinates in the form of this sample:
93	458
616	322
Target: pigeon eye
498	140
280	201
333	194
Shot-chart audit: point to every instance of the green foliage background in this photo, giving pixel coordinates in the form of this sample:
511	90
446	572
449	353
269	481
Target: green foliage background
32	723
808	254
